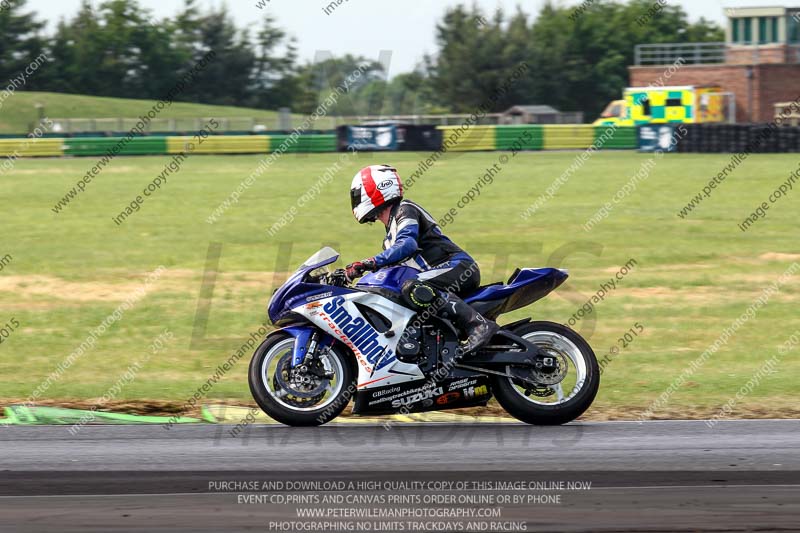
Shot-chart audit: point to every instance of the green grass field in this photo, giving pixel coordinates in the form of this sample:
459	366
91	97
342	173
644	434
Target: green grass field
693	276
20	115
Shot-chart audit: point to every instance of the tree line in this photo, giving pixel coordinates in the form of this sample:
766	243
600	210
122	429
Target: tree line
578	57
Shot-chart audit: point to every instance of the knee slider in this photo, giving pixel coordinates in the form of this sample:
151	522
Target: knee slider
420	295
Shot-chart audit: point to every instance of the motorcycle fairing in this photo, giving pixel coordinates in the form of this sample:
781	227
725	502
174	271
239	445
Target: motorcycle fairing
302	335
391	278
468	390
339	316
288	295
525	286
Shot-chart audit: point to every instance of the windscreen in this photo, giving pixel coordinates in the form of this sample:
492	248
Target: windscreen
322	256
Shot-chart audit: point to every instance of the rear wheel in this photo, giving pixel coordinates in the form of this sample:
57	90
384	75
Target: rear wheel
308	395
565	381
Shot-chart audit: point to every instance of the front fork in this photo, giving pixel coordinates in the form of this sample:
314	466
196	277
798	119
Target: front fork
308	343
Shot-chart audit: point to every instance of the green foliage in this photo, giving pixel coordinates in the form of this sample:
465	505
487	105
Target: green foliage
317	81
119	49
577	60
20	43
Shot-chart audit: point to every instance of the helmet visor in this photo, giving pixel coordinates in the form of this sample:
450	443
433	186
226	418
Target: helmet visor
355	197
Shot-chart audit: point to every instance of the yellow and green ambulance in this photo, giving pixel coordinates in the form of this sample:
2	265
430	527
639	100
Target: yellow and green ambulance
659	105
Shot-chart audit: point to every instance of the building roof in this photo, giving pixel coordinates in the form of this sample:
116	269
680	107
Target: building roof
763	11
668	88
531	109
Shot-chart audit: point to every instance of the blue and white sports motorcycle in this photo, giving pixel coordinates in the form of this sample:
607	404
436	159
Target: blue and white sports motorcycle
338	342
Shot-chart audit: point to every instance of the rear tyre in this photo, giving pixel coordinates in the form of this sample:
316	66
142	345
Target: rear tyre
299	399
549	404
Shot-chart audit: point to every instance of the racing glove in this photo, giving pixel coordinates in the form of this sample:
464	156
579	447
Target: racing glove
354	270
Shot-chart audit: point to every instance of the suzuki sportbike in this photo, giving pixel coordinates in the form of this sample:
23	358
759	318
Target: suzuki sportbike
339	341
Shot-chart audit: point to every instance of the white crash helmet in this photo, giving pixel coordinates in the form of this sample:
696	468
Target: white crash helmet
372	188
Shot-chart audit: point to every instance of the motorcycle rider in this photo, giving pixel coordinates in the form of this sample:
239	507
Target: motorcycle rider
414	239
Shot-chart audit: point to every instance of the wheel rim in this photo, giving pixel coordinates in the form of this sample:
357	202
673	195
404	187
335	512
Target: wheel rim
272	364
565	350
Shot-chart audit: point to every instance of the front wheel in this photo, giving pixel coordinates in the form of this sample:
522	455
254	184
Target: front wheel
309	395
563	387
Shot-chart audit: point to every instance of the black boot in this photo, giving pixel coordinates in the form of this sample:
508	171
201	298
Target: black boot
475	327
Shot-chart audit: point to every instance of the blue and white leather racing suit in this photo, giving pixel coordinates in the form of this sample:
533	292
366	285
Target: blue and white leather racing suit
413	238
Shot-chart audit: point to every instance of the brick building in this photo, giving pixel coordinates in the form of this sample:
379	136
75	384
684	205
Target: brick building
759	61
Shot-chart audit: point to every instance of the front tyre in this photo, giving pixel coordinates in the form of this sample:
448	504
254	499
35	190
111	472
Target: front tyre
564	390
308	396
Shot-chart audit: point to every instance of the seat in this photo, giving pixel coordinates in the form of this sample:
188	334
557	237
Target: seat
466	295
484	287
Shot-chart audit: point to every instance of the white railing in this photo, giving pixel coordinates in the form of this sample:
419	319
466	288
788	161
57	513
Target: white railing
285	123
710	53
668	53
439	120
490	119
120	124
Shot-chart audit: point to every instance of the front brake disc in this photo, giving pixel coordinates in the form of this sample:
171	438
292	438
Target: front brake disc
298	395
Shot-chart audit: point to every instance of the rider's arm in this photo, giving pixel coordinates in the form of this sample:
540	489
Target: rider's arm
405	243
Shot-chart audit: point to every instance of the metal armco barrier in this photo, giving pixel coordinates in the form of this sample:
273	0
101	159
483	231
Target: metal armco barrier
697	138
528	137
559	137
162	145
303	143
538	137
402	137
623	137
27	147
89	146
469	138
251	144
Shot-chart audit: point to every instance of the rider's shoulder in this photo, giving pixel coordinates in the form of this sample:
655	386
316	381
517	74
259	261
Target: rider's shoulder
411	208
408	209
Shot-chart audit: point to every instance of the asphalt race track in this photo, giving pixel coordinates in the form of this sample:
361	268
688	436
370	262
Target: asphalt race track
653	476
